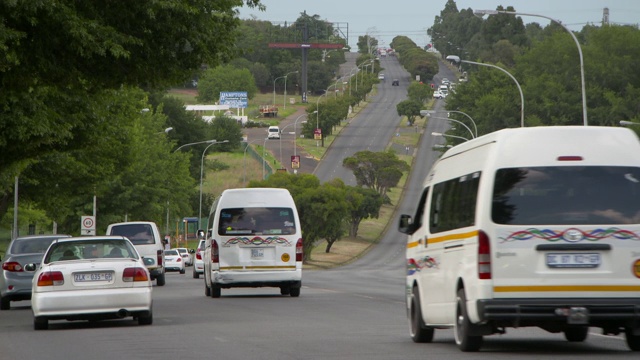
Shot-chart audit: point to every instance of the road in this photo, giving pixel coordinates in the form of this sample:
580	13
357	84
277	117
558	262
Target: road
355	311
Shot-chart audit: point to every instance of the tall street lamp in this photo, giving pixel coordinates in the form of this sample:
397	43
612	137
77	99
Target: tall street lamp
274	85
284	104
512	78
475	127
214	142
456	121
584	93
294	130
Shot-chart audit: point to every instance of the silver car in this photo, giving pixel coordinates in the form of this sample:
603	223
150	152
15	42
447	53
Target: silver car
15	282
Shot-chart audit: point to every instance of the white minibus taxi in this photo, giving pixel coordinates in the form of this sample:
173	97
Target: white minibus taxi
255	240
526	227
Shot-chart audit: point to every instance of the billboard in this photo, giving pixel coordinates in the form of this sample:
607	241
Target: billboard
235	99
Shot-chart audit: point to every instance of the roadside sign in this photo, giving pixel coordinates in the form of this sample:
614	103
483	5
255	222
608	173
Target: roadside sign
88	225
317	134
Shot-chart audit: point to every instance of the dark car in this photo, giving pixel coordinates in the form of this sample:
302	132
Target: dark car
15	282
395	82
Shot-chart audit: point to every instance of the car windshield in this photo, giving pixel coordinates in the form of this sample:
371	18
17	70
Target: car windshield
567	195
256	220
182	251
171	252
139	234
31	245
90	249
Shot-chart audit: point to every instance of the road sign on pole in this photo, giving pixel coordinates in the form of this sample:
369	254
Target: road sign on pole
88	225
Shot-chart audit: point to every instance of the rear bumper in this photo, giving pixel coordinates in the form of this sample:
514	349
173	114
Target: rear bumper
76	304
228	279
561	312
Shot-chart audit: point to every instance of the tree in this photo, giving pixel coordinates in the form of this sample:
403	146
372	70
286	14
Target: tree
410	109
376	170
225	78
49	103
419	92
363	204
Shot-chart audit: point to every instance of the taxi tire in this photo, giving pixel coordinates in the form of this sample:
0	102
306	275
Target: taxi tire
633	341
182	271
40	323
294	291
285	290
462	327
145	319
216	291
160	280
196	274
419	331
5	303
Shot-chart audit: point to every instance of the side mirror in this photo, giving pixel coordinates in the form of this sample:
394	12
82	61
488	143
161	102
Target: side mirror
30	267
405	224
192	251
200	234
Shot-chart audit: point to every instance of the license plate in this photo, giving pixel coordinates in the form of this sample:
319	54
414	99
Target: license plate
257	253
569	260
98	276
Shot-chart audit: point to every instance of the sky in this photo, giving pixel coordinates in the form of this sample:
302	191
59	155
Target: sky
387	19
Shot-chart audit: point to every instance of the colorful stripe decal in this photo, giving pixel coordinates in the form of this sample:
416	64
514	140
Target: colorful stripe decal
284	267
439	239
566	288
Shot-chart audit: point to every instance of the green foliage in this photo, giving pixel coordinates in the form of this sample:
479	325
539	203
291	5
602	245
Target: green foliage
379	171
225	78
419	92
415	60
409	108
363	204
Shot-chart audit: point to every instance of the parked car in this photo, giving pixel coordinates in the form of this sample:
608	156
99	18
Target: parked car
174	261
91	278
184	252
198	263
395	82
15	282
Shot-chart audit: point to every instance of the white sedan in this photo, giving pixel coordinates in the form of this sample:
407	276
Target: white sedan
173	261
184	252
90	278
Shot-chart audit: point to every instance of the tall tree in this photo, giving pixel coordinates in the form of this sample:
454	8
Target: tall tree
376	170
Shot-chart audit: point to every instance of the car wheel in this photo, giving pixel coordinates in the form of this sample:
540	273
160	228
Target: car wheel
40	323
633	341
285	290
207	289
160	280
145	318
216	291
182	271
419	331
196	275
5	303
462	327
295	291
577	334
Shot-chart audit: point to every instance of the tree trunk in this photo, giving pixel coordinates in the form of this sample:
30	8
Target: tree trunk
328	248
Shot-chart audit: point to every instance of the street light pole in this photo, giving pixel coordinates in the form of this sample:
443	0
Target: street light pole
274	89
456	121
447	135
512	78
467	115
284	104
201	173
584	93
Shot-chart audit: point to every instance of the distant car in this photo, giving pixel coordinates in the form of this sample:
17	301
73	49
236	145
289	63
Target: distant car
184	252
273	132
438	95
381	76
15	282
198	263
174	261
395	82
91	278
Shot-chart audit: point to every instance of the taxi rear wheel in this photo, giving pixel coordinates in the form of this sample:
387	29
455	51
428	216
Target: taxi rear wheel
5	303
145	319
40	323
633	341
160	280
578	334
294	292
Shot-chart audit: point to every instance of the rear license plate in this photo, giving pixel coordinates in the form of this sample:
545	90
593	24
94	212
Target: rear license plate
572	260
257	253
97	276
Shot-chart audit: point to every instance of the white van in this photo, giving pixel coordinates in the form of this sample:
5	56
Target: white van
255	240
525	227
145	236
273	132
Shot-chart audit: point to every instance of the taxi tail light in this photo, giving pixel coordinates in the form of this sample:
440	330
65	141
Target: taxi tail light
160	257
215	252
299	250
51	278
12	266
198	256
133	274
179	259
484	256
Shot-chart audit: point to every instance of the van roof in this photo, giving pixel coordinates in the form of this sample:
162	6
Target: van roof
542	145
255	197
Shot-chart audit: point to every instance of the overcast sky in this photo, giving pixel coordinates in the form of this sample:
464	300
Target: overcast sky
387	19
